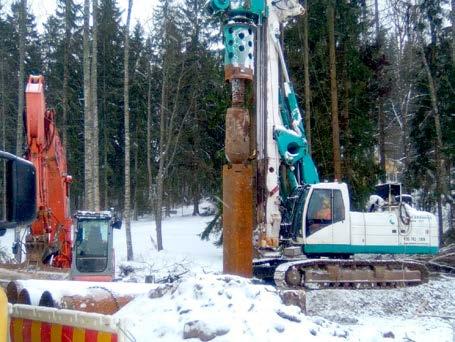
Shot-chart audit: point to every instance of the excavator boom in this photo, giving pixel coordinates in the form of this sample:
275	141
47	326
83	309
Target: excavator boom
49	239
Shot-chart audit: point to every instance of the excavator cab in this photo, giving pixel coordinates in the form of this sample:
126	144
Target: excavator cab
20	191
93	252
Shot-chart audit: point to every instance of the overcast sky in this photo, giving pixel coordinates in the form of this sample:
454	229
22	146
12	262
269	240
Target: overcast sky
142	9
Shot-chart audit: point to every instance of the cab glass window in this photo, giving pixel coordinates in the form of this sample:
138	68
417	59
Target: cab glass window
338	207
92	246
319	213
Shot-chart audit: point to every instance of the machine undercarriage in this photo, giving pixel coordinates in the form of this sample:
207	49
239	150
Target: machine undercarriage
340	273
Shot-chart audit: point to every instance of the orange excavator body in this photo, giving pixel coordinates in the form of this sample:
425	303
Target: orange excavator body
49	239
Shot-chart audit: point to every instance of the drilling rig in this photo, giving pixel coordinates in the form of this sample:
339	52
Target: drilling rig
300	231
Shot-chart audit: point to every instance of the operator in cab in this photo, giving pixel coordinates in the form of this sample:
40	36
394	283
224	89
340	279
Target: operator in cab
320	211
325	212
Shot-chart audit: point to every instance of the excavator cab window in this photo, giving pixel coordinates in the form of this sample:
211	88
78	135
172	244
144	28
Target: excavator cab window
92	245
326	207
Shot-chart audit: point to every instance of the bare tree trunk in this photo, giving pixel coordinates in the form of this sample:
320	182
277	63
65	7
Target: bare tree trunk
158	210
381	115
105	136
136	149
345	126
404	129
376	18
451	173
452	19
105	178
21	90
3	118
66	53
129	244
149	136
307	78
168	202
334	92
381	129
160	175
196	199
20	94
94	90
88	123
441	178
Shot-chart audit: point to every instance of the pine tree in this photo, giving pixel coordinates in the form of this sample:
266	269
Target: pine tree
110	93
334	91
94	109
88	114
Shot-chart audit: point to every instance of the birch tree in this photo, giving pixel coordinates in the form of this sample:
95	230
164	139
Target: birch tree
20	96
149	134
127	212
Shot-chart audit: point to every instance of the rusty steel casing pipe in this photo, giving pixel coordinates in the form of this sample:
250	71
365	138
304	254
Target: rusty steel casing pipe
238	220
99	300
103	298
24	297
12	291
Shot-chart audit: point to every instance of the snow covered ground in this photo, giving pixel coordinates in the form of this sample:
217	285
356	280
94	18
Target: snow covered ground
230	308
184	251
203	304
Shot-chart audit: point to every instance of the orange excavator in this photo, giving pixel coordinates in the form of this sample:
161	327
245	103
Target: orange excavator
48	243
49	239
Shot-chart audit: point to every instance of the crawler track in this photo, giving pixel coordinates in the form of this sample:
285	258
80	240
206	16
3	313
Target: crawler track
326	273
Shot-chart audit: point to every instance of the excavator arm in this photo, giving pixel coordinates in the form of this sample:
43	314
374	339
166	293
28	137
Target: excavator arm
49	239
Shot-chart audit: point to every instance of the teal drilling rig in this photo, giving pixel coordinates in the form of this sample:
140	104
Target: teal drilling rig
279	221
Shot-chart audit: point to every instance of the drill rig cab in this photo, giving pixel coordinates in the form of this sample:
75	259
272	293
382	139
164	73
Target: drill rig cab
93	251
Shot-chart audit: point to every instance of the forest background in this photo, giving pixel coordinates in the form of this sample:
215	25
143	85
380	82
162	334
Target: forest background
141	112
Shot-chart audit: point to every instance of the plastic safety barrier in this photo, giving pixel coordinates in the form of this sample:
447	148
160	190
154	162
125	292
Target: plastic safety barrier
3	316
39	324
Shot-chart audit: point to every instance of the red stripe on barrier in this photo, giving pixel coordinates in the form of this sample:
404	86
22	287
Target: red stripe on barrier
21	330
45	332
11	330
27	330
67	334
91	336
